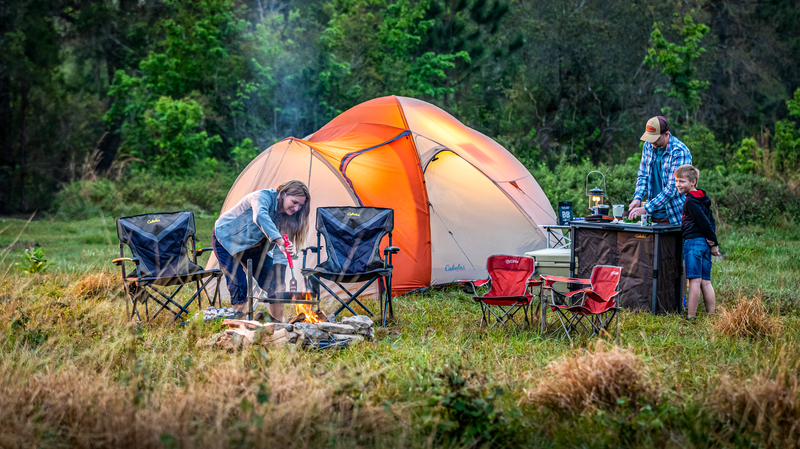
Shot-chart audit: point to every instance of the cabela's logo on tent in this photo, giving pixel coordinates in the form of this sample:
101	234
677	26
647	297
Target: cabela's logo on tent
457	267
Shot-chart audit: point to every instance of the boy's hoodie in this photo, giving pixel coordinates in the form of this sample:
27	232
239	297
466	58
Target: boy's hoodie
698	222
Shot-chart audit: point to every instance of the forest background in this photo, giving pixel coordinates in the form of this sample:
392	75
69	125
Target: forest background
114	106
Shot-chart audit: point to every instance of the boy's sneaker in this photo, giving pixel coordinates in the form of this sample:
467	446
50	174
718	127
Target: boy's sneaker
691	319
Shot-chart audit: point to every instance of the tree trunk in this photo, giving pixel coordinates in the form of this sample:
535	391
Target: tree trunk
23	142
6	150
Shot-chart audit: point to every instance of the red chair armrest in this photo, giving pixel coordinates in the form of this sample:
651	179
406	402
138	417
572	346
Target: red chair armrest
586	290
599	298
550	280
475	282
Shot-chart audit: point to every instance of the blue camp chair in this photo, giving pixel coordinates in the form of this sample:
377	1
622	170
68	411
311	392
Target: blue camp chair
353	237
159	246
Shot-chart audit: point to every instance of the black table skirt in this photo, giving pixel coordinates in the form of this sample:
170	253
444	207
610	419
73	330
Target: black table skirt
650	257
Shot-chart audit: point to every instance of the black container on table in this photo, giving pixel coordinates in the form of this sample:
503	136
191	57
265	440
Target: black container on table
564	212
651	258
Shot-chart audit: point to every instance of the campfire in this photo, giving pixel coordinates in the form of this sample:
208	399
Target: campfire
322	335
305	313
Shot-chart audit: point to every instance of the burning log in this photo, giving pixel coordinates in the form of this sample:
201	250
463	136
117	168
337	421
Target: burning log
298	319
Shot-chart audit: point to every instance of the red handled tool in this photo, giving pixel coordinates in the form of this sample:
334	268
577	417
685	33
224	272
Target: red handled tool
293	282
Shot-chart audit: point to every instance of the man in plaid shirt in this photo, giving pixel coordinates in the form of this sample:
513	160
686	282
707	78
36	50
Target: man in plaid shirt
662	154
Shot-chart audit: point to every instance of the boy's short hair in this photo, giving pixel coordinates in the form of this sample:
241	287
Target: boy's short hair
688	172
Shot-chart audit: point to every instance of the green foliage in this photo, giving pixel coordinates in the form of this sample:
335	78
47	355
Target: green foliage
568	183
201	191
33	261
678	62
197	67
176	142
463	408
244	153
707	152
429	72
787	139
748	199
747	156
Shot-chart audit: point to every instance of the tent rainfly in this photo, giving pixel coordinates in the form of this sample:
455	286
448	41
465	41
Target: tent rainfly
458	196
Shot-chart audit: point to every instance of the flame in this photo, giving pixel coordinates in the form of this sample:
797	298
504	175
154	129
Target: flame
311	317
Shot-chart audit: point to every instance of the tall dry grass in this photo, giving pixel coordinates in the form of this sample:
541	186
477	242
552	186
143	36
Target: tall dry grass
765	407
97	286
232	405
748	318
597	379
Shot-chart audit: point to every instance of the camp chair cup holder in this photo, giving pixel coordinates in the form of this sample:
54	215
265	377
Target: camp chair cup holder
352	238
163	251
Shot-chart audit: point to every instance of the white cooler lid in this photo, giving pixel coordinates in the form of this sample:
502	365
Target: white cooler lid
550	255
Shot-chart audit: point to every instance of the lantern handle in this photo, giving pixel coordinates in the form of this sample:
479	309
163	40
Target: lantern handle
586	188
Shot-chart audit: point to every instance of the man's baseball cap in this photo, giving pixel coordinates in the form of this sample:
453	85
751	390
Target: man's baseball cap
656	126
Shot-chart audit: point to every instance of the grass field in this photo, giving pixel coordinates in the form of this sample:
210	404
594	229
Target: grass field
74	372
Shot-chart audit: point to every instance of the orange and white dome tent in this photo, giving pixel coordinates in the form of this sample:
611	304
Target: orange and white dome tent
458	196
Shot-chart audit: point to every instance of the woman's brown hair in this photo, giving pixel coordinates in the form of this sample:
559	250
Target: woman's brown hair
296	225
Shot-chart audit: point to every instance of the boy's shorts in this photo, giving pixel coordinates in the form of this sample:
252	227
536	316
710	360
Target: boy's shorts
697	259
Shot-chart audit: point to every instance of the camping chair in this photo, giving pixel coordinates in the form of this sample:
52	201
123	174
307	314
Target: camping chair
352	242
593	308
509	290
159	249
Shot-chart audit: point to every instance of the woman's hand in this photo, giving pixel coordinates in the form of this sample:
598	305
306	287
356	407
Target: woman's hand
289	248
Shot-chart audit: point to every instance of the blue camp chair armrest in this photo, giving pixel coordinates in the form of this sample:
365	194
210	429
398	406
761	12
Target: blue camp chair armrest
122	260
313	249
391	249
202	250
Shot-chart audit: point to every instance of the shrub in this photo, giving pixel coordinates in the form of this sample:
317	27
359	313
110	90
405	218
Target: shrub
462	408
737	198
748	199
601	379
139	192
748	318
33	261
766	407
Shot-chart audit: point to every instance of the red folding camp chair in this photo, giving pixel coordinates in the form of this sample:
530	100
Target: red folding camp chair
508	292
594	306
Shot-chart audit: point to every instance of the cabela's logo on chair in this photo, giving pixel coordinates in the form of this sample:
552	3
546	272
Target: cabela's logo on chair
352	214
457	267
153	221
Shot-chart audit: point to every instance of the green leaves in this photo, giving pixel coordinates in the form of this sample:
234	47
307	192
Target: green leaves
677	62
429	71
176	140
33	261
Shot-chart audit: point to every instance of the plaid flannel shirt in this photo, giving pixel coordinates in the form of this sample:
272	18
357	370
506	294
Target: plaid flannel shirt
675	155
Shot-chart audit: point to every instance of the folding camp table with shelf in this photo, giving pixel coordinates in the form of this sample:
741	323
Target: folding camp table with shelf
651	258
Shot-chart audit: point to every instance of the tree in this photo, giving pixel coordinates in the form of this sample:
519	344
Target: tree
678	62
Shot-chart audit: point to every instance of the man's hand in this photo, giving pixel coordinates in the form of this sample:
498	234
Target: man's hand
715	251
710	242
634	204
636	212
